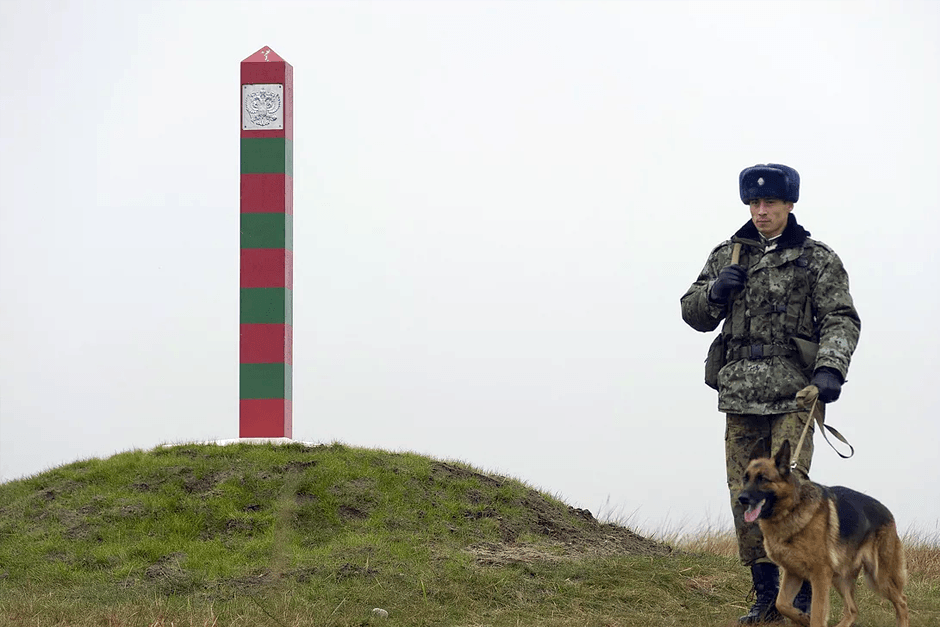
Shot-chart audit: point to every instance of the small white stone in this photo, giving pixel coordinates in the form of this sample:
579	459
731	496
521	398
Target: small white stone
378	611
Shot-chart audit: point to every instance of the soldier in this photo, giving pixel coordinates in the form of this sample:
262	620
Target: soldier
788	320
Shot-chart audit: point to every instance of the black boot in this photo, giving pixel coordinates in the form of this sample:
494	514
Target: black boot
804	598
766	582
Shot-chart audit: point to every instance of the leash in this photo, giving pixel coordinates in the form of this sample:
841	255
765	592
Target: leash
810	394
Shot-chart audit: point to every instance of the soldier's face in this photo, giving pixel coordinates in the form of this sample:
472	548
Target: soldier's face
769	215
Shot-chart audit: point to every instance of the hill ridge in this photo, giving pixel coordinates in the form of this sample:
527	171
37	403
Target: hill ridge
201	501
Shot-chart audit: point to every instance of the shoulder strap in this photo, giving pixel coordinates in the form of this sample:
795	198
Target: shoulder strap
804	321
726	328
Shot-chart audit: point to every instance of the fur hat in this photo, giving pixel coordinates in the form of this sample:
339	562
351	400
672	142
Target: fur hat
771	180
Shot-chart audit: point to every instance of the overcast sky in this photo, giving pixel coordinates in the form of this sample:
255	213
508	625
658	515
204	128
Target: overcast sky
497	208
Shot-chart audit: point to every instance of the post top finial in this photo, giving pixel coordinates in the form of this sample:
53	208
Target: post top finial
265	55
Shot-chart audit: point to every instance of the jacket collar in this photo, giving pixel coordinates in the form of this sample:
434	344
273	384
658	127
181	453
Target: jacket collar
793	236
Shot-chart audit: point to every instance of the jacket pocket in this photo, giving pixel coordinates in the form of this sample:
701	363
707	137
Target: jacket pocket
805	354
715	360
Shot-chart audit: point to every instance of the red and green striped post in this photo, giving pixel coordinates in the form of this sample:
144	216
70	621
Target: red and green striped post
267	214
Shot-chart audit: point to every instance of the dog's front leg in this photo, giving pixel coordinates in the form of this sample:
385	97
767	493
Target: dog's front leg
789	587
819	610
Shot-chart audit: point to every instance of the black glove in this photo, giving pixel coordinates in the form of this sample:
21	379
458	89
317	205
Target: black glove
730	279
829	382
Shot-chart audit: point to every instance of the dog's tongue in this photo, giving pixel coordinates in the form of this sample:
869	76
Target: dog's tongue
753	512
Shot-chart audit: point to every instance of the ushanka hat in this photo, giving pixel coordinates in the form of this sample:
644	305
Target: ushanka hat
771	180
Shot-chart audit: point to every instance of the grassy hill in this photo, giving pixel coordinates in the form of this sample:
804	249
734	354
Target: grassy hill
296	535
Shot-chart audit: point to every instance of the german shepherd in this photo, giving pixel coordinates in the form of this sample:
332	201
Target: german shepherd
825	535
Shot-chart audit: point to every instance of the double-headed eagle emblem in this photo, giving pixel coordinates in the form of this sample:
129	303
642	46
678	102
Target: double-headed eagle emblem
262	107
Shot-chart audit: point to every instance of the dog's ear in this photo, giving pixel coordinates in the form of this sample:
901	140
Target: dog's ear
761	449
782	460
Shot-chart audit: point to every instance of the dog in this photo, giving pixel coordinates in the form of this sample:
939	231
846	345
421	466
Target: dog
825	535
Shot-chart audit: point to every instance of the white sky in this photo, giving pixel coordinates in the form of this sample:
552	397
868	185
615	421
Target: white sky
497	208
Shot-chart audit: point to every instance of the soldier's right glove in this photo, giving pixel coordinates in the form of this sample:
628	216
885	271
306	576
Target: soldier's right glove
730	279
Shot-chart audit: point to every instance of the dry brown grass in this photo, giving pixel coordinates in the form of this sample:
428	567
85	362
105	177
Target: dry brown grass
922	551
721	543
923	556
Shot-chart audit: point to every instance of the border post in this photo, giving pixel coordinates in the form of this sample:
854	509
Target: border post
267	213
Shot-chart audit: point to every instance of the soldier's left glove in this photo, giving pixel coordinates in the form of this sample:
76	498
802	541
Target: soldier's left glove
829	382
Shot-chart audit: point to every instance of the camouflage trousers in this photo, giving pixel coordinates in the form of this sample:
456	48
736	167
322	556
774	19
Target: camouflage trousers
741	434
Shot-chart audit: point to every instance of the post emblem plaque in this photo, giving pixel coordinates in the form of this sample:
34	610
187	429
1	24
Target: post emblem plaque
263	108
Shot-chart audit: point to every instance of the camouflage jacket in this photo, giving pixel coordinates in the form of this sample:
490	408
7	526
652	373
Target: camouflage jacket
797	289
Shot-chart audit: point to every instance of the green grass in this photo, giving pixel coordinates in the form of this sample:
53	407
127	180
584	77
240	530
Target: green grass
296	535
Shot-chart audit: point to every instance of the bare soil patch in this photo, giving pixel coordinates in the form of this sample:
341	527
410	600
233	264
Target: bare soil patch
544	529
